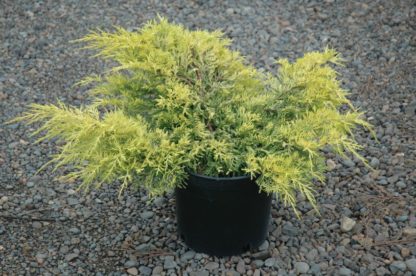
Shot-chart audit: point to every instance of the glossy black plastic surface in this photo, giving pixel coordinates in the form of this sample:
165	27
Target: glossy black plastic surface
222	216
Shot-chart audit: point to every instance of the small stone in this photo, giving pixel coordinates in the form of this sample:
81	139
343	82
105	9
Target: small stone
262	255
258	263
347	224
301	267
157	270
159	201
401	184
315	269
312	255
290	230
409	231
232	273
331	165
199	273
130	263
75	230
40	258
411	265
72	201
37	225
374	162
70	257
381	271
343	271
264	246
71	192
397	266
211	265
382	181
188	256
393	179
241	267
270	262
144	270
346	241
30	184
147	214
405	252
229	11
132	271
349	163
64	249
3	200
134	228
169	262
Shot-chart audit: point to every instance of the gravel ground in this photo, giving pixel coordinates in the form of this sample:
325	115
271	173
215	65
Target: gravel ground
368	218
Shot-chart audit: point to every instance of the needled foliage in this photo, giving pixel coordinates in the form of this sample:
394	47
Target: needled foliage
181	100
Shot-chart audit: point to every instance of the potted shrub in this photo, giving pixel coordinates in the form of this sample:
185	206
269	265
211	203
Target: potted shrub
182	111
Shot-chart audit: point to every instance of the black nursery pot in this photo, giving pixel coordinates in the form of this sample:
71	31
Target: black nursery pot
222	216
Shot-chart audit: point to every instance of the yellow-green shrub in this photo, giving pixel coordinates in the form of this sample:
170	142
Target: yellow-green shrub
181	100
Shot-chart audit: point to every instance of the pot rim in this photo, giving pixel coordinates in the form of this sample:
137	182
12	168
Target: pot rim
220	177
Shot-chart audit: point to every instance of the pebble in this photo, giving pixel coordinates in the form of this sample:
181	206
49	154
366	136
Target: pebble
212	265
199	273
37	225
270	262
343	271
349	163
411	265
157	270
382	271
3	200
315	269
374	162
75	230
71	257
409	232
188	255
264	246
312	254
347	224
144	270
262	255
132	271
301	267
160	201
331	165
241	267
169	262
405	252
258	263
397	266
401	185
147	215
40	258
290	230
130	263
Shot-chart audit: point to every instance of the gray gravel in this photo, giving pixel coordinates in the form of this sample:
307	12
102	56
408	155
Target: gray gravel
47	228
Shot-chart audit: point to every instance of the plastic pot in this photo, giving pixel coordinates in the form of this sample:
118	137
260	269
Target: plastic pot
222	216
